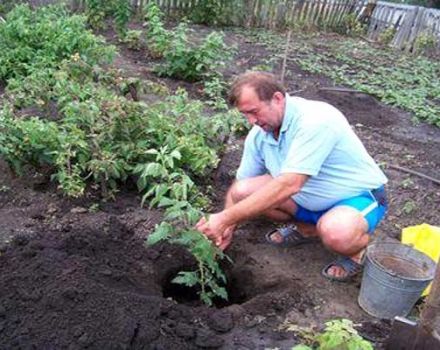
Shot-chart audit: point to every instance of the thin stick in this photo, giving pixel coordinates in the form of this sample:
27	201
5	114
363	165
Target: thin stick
283	68
341	89
409	171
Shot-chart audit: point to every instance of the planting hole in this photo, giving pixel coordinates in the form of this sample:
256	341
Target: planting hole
238	287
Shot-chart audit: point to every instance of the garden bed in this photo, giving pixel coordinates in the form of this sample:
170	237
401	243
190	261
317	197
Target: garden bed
76	276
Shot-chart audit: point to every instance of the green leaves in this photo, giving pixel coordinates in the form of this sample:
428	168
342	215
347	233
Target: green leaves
338	335
43	37
180	218
182	60
187	278
406	81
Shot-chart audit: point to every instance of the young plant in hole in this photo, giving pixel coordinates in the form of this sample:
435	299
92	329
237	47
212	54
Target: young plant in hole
209	276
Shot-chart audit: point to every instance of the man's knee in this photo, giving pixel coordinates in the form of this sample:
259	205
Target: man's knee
341	228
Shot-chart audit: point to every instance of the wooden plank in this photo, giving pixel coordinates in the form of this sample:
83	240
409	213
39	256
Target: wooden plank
322	13
315	13
292	12
380	23
259	13
301	9
374	21
404	31
344	9
308	11
281	15
326	13
313	10
334	13
415	29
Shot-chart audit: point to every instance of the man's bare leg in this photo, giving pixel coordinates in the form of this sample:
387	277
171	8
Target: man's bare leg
344	230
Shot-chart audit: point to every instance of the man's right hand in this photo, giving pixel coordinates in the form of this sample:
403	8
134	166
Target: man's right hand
220	237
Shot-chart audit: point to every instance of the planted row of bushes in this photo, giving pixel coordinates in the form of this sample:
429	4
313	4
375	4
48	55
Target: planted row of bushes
100	134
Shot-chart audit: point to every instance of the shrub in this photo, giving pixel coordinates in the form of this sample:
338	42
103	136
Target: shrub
193	63
41	38
158	38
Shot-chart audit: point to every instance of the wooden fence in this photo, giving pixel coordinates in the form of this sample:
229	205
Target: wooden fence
409	22
264	13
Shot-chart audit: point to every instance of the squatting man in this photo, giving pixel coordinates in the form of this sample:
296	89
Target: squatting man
301	162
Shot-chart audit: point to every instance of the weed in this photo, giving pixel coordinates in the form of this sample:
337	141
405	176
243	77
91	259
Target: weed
425	42
337	335
350	25
409	207
94	208
132	38
215	12
4	189
407	183
387	35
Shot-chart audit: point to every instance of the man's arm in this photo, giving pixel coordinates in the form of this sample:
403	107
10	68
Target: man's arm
269	196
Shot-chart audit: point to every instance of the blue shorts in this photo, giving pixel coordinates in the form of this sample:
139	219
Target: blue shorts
372	205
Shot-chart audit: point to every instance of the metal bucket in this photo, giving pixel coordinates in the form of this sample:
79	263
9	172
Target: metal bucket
394	277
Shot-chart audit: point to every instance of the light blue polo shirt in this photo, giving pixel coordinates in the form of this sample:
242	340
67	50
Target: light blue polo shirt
315	139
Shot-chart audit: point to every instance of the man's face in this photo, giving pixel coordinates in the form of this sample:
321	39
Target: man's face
266	114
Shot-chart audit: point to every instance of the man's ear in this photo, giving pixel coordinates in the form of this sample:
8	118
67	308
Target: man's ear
278	97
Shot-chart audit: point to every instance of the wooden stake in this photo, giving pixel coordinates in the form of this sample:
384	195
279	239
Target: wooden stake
286	51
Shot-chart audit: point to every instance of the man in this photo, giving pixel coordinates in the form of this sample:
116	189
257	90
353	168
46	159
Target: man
301	161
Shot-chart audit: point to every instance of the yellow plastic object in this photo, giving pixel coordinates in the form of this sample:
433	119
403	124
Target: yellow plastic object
425	238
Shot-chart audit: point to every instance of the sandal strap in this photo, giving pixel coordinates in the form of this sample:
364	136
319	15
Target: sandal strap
348	264
287	231
351	267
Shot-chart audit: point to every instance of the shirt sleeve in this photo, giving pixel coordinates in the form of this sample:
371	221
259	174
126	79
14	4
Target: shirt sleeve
252	162
310	148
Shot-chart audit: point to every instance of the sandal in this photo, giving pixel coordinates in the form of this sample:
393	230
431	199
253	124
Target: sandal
291	237
351	267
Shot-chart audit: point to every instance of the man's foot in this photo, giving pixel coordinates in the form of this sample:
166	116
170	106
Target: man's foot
342	269
288	236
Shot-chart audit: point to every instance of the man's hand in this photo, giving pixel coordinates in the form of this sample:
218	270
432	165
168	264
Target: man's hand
216	229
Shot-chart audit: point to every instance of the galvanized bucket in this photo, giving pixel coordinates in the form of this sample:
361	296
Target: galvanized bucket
394	277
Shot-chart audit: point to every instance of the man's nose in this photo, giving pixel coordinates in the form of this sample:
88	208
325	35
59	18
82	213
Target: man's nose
251	119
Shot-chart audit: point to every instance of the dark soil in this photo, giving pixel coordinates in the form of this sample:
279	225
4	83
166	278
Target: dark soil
75	278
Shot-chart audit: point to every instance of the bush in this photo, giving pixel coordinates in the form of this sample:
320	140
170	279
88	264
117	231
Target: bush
158	38
350	25
41	38
194	63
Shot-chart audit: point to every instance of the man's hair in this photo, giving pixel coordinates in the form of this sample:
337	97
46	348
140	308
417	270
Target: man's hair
264	84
